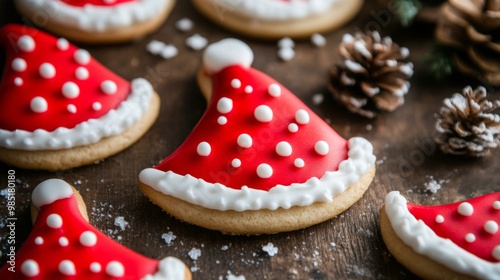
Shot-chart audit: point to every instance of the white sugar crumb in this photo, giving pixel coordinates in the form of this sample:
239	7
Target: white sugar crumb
184	24
194	268
317	98
231	276
333	244
194	253
224	247
286	42
369	127
433	186
286	54
169	237
270	249
196	42
120	222
359	271
318	40
169	51
155	47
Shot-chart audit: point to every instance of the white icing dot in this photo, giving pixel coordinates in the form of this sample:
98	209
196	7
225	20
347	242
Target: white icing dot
39	104
465	209
263	113
248	89
71	108
96	106
47	70
39	240
203	149
235	83
225	105
496	252
95	267
222	120
82	57
299	163
70	90
236	163
274	90
284	149
30	268
470	237
244	140
88	239
54	221
18	81
491	227
19	65
67	267
62	44
115	269
109	87
439	219
264	171
496	205
302	117
81	73
26	43
322	148
293	127
63	241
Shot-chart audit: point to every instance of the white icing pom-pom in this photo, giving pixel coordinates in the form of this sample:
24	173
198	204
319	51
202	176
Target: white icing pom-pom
235	83
71	108
39	240
491	227
248	89
496	252
39	104
50	191
225	53
293	127
30	268
18	81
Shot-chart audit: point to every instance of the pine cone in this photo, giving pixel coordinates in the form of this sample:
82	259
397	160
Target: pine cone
374	75
466	125
472	28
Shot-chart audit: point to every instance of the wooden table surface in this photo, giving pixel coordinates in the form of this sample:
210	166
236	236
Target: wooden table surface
347	247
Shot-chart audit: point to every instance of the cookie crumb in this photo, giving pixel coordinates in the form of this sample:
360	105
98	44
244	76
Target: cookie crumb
270	249
196	42
120	222
194	253
318	40
184	24
169	237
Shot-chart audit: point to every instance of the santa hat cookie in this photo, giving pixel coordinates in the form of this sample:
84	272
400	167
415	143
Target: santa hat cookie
59	108
454	241
63	245
97	21
259	161
274	19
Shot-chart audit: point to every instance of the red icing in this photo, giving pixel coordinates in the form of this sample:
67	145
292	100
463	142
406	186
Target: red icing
81	3
216	168
50	254
15	112
456	226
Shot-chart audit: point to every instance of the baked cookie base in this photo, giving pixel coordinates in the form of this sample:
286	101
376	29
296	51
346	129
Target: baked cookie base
338	14
112	35
260	221
83	155
418	264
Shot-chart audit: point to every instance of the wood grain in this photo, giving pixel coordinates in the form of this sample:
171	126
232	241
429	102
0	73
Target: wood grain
347	247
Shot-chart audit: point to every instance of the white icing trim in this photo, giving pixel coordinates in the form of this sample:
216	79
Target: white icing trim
217	196
169	268
114	122
424	241
49	191
276	10
96	18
